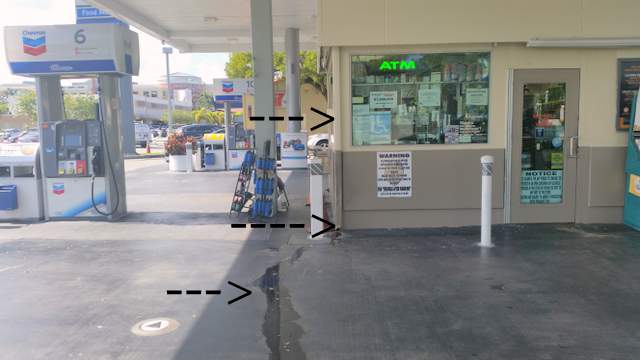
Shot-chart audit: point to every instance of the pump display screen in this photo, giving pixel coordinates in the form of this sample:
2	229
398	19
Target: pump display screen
73	140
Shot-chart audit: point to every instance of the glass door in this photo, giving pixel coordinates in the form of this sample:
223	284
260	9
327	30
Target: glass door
544	145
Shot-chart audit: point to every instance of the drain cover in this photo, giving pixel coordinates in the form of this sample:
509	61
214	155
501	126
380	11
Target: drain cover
154	327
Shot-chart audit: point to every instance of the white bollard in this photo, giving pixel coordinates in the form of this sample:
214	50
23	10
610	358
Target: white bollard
316	195
485	221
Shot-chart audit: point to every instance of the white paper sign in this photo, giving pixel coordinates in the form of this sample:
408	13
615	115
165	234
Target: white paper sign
477	97
429	97
383	100
394	174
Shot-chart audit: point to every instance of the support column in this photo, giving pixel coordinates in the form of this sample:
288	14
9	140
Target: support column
50	108
262	50
115	184
128	129
292	76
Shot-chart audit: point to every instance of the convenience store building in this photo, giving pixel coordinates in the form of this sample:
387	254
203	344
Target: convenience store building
421	89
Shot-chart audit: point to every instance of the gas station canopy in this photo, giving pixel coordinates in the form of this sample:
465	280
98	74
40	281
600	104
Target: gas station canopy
213	25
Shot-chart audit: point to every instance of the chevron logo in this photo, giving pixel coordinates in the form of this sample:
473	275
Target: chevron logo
34	42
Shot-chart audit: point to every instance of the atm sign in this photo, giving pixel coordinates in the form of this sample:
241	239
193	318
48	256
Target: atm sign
398	65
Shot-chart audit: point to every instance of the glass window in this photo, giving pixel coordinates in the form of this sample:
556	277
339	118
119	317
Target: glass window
420	98
5	171
543	143
23	171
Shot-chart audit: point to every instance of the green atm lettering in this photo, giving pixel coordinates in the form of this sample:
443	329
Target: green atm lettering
398	65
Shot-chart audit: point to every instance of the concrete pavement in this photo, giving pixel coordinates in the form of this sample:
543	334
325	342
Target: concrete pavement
73	290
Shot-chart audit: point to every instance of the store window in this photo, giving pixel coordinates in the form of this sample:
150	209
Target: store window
420	98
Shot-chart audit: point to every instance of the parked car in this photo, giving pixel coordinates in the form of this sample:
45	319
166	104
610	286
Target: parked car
143	134
197	131
318	141
28	136
8	135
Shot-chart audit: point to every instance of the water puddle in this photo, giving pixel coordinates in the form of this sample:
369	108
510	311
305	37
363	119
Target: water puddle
282	333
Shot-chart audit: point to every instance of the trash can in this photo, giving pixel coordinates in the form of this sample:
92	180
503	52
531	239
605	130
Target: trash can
8	197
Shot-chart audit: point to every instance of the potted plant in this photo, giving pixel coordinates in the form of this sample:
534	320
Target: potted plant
176	148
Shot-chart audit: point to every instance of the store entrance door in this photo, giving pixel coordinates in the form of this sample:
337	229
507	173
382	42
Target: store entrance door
544	146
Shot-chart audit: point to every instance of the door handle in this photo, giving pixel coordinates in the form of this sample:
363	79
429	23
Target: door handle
573	146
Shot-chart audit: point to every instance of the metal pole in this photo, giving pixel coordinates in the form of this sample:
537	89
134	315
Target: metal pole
167	50
292	75
227	123
487	174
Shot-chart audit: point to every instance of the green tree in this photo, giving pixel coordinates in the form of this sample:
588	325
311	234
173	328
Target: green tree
26	105
205	101
80	107
179	117
4	102
239	66
204	115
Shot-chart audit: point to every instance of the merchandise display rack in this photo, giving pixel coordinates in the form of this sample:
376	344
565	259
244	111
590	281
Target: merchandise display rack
241	195
265	185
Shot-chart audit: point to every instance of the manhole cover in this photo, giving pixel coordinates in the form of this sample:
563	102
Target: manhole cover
154	327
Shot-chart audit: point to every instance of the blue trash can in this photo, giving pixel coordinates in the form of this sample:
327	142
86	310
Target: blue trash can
209	159
8	197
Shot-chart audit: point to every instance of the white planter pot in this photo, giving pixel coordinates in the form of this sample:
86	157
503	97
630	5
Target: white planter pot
179	163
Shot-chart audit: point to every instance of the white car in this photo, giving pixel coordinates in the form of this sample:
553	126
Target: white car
318	141
143	134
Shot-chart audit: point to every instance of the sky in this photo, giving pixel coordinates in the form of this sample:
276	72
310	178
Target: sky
152	63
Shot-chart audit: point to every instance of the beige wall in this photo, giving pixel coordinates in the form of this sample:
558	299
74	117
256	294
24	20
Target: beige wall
309	97
385	22
11	121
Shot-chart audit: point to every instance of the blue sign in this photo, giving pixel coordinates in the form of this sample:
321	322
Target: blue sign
234	100
87	14
56	67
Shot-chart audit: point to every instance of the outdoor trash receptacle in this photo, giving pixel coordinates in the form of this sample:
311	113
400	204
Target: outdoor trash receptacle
209	159
8	197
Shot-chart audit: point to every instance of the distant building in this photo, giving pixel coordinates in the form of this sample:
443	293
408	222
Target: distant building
150	101
182	81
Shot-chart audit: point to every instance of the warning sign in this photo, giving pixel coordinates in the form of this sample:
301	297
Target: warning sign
394	174
541	187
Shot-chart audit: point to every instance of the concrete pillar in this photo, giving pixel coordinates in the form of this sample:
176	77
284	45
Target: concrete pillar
227	131
49	99
128	129
262	50
292	76
112	119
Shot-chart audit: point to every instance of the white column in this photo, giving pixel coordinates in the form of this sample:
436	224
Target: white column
227	130
292	76
262	50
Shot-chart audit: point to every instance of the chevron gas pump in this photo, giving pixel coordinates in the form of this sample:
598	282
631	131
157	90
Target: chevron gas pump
81	159
632	193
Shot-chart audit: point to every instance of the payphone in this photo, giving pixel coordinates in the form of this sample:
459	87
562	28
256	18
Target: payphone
81	160
632	191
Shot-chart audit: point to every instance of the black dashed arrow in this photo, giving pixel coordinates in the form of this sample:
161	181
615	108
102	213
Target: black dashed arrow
247	292
331	226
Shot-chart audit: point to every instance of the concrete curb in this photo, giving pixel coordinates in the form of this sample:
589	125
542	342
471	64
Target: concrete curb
143	156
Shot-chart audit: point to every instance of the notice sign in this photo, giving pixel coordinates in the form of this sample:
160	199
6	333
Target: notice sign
394	174
383	100
541	187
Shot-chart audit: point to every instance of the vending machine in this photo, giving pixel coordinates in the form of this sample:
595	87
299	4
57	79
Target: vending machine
632	191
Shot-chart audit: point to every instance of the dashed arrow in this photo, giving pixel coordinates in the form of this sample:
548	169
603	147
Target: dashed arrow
324	122
247	292
331	226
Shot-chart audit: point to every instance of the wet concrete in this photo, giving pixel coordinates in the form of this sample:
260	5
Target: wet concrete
74	289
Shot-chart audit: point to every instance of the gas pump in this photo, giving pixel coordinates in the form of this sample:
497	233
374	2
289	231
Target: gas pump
82	160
